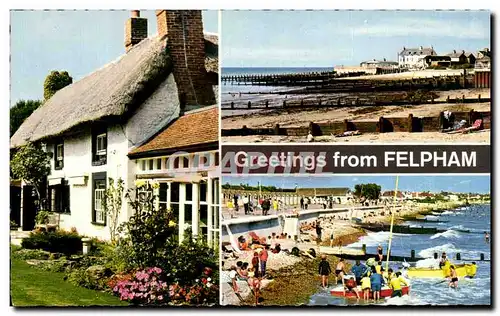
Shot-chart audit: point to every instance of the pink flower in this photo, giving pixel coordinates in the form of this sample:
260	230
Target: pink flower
160	297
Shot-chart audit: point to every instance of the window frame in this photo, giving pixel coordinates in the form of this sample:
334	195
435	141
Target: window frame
58	163
99	137
98	179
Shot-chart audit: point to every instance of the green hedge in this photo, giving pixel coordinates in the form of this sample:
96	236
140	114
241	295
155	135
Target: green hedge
60	241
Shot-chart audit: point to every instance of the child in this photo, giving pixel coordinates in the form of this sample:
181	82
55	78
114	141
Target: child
324	271
366	286
378	268
255	261
350	285
233	274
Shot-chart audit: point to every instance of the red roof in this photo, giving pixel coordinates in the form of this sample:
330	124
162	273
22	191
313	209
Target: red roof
191	129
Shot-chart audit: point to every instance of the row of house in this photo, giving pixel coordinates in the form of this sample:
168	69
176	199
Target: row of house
151	115
423	57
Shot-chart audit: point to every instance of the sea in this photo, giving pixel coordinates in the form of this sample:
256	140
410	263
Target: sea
231	92
477	291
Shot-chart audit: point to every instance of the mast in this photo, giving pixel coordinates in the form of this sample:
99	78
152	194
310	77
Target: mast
392	224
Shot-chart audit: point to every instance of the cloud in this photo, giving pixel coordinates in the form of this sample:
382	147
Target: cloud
354	179
464	182
424	27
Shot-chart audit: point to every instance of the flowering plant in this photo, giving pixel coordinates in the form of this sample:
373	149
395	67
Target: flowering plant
143	287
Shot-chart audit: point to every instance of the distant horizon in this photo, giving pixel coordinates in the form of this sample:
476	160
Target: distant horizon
434	184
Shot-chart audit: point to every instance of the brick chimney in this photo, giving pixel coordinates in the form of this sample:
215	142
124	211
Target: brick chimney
186	45
136	29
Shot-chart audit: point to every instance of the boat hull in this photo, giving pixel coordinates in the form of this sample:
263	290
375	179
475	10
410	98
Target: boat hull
385	292
461	270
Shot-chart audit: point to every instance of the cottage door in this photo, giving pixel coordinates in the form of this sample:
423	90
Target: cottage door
29	207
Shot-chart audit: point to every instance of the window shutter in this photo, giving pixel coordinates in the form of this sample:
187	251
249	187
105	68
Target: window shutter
93	192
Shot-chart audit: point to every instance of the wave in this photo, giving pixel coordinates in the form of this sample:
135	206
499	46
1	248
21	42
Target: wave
374	239
450	234
427	263
447	213
431	217
429	252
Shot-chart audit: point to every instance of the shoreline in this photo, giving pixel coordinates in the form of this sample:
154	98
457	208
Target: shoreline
295	289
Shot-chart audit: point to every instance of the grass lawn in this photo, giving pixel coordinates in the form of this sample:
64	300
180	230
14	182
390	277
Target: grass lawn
34	287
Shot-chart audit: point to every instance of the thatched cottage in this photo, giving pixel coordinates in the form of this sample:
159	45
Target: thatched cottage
156	90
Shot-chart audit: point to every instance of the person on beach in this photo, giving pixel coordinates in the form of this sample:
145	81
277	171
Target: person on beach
246	204
275	206
266	205
235	201
244	271
350	286
380	252
376	281
395	285
254	283
378	268
302	203
339	271
359	270
332	238
324	271
366	286
255	261
443	260
487	237
263	255
230	207
453	277
232	275
471	270
318	230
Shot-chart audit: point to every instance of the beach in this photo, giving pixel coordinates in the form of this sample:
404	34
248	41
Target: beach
279	265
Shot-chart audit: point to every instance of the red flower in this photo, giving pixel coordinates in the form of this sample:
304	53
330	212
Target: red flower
204	281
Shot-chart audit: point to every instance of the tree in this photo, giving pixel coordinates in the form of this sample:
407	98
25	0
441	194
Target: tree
31	164
54	82
20	112
112	204
370	191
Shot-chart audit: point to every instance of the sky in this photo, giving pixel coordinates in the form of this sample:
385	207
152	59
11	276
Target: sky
79	42
333	38
463	184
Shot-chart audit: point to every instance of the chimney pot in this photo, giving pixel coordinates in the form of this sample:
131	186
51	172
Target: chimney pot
136	29
136	13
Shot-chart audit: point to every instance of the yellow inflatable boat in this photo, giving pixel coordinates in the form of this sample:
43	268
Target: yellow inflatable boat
462	270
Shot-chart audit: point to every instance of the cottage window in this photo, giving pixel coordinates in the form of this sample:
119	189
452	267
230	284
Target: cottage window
59	198
59	156
158	164
176	162
98	197
150	164
143	165
99	147
189	191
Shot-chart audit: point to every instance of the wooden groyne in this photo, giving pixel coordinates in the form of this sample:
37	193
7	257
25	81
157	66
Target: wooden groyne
292	79
342	101
411	124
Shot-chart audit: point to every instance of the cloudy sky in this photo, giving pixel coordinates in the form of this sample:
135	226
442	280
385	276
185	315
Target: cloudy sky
330	38
478	184
77	41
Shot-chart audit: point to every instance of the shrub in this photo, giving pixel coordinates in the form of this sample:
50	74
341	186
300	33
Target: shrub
58	241
146	287
27	254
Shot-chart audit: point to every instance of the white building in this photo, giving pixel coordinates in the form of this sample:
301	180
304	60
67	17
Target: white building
414	58
92	125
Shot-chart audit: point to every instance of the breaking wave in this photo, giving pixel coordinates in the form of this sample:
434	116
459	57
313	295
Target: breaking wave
450	234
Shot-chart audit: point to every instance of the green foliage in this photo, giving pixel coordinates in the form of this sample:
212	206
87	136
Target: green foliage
26	254
152	241
462	66
54	82
369	191
58	241
42	217
20	112
81	277
31	164
112	204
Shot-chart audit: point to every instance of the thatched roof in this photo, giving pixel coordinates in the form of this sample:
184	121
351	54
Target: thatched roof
193	129
115	90
322	191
